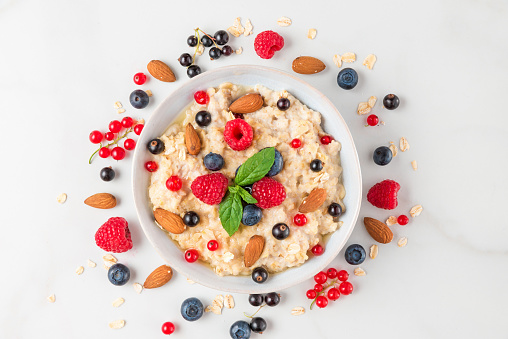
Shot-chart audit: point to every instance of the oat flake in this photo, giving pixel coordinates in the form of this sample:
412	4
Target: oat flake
149	92
218	301
337	60
51	298
228	256
374	249
117	324
293	248
229	302
91	263
239	50
61	198
392	220
200	49
348	57
237	28
118	302
248	28
138	288
311	34
393	148
369	61
402	242
372	101
80	270
403	144
298	311
118	105
363	108
120	110
414	164
359	271
110	257
416	210
284	21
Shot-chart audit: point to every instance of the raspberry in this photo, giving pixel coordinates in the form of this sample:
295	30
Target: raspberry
267	43
238	134
384	194
210	188
114	236
268	192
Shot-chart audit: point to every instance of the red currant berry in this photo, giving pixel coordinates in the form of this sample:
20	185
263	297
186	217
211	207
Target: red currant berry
138	128
321	301
372	120
402	220
104	152
109	136
311	294
129	144
127	122
342	275
169	327
346	288
201	97
151	166
95	137
333	294
300	219
296	143
318	288
115	126
212	245
191	255
118	153
139	78
320	278
174	183
317	250
326	139
331	273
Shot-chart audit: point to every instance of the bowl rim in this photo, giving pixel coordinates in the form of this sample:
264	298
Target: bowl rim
358	178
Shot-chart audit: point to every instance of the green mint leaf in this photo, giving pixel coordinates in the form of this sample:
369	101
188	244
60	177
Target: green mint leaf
249	199
233	189
255	167
230	213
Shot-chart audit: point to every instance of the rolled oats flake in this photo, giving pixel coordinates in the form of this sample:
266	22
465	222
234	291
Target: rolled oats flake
363	108
216	310
416	210
403	144
293	248
228	256
284	21
298	310
392	220
218	301
80	270
118	105
374	250
229	302
369	61
239	50
91	263
359	272
248	28
117	324
237	28
149	92
337	60
393	148
311	34
62	197
402	242
348	57
138	287
51	298
372	101
120	110
200	49
414	164
118	302
109	257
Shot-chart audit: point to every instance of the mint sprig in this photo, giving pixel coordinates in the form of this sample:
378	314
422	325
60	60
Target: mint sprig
256	167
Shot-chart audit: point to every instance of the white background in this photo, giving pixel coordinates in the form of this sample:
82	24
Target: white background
64	63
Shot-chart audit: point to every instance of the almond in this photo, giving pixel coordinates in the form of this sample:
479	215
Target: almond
308	65
171	222
192	140
314	200
247	104
378	230
101	200
159	277
161	71
253	250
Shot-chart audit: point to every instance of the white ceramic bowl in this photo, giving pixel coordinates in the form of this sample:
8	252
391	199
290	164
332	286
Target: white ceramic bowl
333	123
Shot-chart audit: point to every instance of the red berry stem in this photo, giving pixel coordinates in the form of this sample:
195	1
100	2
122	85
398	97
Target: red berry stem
330	284
114	142
252	316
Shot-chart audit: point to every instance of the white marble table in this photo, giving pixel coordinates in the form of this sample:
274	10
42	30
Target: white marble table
64	63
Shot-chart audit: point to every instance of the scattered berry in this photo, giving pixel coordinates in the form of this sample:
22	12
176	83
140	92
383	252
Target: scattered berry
138	129
107	174
280	231
318	288
212	245
277	166
210	188
316	165
206	41
119	274
193	70
347	78
155	146
213	161
346	288
129	144
296	143
118	153
251	215
127	122
139	99
203	118
95	137
311	294
402	220
333	293
384	194
191	255
300	219
104	152
201	97
259	275
168	328
238	134
114	236
221	37
268	192
257	325
139	78
174	183
382	155
151	166
192	41
227	50
256	299
317	250
372	120
109	136
320	277
355	254
185	59
238	116
115	126
335	210
272	299
331	273
283	104
191	219
321	301
240	330
267	43
192	309
342	275
391	101
214	53
326	139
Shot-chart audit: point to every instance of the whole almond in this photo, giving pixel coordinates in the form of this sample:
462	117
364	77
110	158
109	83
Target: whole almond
247	104
171	222
192	141
314	200
161	71
308	65
159	277
378	230
101	200
253	250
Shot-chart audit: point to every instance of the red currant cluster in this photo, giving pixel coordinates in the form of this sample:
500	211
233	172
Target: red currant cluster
333	289
114	135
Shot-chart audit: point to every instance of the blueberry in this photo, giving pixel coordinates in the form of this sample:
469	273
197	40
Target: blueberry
155	146
391	101
107	174
283	104
192	41
256	299
277	165
192	309
240	330
206	41
347	78
258	325
272	299
119	274
280	231
355	254
139	99
316	165
191	219
213	161
227	50
193	70
251	215
259	275
221	37
185	59
382	155
335	210
214	53
203	118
